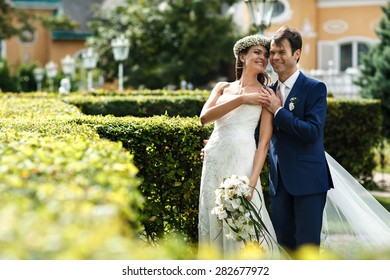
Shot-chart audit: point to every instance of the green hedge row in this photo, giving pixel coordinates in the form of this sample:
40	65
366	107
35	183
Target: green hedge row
64	192
139	106
167	152
148	92
55	158
352	131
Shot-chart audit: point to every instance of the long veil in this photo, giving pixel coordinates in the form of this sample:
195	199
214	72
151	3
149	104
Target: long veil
354	221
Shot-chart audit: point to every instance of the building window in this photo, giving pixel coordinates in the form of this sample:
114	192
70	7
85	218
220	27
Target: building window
351	54
362	50
2	49
282	12
279	9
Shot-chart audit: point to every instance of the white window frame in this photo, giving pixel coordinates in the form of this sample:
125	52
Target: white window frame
336	45
3	50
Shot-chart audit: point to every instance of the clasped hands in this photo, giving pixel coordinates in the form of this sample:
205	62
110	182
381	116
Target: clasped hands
265	97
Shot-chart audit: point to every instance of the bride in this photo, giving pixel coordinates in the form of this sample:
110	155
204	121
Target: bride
231	149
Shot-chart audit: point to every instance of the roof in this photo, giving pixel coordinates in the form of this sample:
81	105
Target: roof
41	4
80	11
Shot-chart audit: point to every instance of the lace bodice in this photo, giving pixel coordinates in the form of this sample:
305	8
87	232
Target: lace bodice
231	146
229	151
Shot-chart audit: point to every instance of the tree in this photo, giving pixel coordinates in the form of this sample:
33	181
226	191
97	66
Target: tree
375	70
8	14
179	39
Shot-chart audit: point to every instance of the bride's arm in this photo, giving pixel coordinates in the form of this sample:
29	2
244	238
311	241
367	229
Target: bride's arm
265	134
211	112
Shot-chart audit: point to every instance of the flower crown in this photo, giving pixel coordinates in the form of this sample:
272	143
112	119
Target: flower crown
249	41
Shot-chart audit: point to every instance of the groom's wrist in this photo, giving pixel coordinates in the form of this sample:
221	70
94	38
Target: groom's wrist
277	110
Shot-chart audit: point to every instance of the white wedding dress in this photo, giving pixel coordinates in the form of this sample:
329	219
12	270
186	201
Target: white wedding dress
229	151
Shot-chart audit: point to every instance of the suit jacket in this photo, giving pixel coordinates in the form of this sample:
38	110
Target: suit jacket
297	143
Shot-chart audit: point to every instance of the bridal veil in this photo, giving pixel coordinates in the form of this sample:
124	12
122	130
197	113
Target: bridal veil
354	221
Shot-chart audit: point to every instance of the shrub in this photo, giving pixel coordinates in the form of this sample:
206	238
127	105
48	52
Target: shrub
352	131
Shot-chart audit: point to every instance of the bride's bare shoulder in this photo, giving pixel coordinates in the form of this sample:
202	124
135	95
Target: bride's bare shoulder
229	88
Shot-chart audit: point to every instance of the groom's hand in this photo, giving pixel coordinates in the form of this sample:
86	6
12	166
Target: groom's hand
202	150
270	100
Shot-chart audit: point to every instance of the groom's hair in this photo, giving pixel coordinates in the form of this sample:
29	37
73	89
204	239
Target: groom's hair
291	34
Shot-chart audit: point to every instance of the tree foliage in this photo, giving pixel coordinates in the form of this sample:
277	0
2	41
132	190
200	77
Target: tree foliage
13	21
179	39
375	70
8	16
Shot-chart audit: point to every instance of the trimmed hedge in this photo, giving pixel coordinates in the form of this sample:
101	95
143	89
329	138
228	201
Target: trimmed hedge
359	118
167	153
79	195
64	192
139	106
352	131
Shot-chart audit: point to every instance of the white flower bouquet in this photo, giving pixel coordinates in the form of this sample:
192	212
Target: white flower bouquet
240	215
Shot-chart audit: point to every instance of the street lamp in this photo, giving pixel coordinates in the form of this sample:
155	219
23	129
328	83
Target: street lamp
90	58
68	67
261	13
120	47
38	76
51	72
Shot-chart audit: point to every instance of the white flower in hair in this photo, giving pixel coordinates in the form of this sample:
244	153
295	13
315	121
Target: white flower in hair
249	41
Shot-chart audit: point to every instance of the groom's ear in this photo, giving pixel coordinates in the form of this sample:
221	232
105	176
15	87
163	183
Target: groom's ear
297	54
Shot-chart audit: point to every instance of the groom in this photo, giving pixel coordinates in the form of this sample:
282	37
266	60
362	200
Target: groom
299	173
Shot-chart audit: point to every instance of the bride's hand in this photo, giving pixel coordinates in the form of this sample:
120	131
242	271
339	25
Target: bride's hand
249	196
253	98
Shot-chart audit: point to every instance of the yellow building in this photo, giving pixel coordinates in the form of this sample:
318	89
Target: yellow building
332	30
335	35
43	45
335	32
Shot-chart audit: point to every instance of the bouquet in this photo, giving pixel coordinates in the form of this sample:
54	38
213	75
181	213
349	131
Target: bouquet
240	215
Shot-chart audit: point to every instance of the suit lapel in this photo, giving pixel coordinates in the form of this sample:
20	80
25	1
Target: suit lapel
295	89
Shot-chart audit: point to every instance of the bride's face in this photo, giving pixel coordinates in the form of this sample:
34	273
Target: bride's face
257	58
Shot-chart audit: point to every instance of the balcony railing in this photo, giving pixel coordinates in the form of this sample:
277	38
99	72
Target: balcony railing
339	84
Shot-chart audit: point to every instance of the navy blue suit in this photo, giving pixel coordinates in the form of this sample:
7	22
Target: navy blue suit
299	173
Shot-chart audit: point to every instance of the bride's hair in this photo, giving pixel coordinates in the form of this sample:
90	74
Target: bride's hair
263	78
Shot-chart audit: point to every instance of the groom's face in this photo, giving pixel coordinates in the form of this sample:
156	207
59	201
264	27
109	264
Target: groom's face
283	61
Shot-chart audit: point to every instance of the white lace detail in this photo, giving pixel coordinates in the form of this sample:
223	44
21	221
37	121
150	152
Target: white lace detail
229	151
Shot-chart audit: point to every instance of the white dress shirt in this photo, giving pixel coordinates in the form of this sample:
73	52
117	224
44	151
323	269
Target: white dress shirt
284	88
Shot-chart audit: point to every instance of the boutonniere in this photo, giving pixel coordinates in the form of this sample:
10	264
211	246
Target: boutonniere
293	102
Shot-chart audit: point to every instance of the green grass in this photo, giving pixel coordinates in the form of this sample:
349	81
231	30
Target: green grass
385	201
